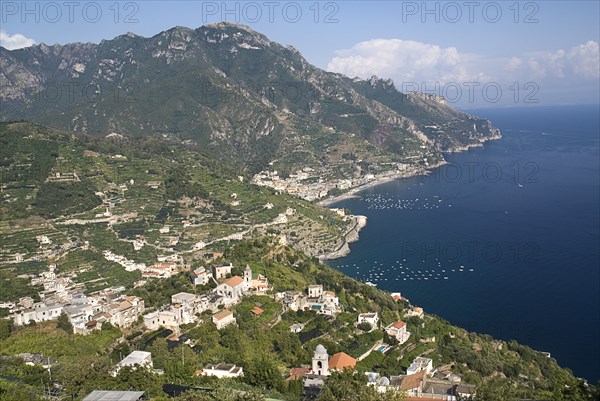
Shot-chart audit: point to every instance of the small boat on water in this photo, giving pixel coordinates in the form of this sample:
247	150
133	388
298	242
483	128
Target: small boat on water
371	284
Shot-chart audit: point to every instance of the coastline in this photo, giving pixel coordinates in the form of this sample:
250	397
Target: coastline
352	235
381	179
349	237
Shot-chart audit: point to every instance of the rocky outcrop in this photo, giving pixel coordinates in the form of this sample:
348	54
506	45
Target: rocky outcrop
359	222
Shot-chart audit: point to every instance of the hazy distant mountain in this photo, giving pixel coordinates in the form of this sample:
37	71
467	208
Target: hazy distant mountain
230	89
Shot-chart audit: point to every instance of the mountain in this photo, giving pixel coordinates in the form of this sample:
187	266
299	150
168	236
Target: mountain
233	92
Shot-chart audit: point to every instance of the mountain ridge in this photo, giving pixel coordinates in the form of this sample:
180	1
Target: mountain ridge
231	90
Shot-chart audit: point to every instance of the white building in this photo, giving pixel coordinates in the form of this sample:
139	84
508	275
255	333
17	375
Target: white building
232	289
223	318
416	311
320	362
223	370
135	359
183	298
420	364
220	272
166	319
371	318
39	313
297	327
398	331
124	311
200	276
315	291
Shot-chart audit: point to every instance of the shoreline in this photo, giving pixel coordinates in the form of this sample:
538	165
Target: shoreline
352	235
388	177
381	179
360	221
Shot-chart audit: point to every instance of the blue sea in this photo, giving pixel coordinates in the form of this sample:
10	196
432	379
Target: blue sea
503	240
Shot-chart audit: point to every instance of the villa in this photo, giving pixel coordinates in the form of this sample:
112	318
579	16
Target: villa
416	311
371	318
398	331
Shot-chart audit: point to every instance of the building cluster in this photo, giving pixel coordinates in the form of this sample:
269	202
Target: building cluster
167	266
85	313
229	291
309	184
421	380
316	299
296	184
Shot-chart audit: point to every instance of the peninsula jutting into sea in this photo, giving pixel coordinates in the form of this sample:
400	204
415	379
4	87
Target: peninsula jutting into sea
164	232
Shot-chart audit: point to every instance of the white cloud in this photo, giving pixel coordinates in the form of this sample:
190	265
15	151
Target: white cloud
16	41
585	59
404	60
581	62
411	61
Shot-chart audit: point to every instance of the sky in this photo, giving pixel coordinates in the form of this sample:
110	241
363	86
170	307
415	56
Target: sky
474	53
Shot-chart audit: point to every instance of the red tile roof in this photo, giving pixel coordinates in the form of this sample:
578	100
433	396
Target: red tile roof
234	281
296	373
341	360
399	325
222	315
412	381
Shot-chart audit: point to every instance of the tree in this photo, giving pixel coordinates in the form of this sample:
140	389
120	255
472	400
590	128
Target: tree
263	372
496	390
106	326
82	374
221	394
365	326
351	386
138	378
289	348
6	327
63	323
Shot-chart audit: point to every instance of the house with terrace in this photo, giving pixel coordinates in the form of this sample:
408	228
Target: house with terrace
416	312
398	331
222	370
420	364
322	302
167	319
370	318
186	306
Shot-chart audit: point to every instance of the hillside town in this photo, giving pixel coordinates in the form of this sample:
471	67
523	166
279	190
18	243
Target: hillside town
312	184
60	296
